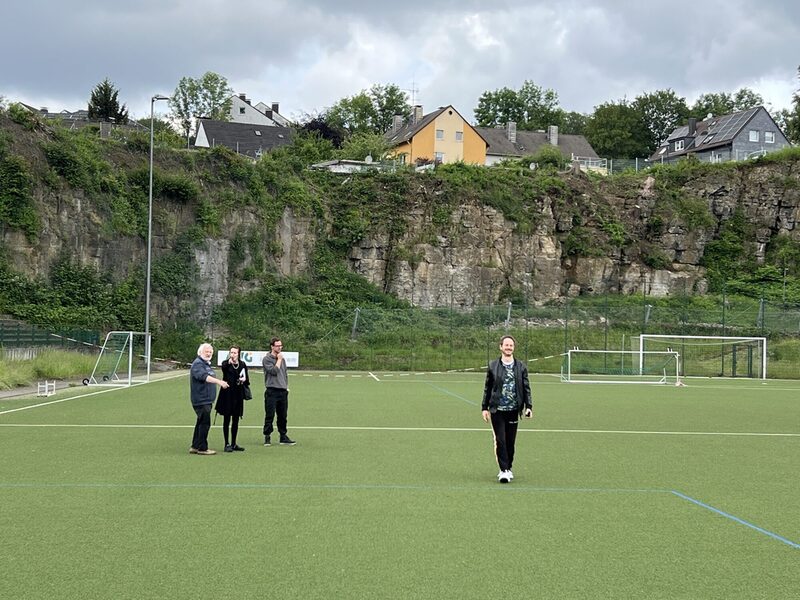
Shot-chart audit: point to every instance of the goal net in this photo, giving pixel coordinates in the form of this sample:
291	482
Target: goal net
621	366
713	356
123	360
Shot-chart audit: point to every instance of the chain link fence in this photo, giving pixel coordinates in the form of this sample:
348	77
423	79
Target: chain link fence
453	339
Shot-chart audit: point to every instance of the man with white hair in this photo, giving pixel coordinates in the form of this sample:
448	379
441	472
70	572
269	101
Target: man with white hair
201	393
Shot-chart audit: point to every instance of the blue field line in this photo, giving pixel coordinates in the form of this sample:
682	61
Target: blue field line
737	519
453	394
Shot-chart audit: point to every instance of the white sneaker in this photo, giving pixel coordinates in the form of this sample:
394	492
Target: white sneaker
502	477
510	475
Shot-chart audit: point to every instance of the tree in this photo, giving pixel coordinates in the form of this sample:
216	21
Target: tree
498	108
532	107
792	118
572	122
358	146
319	125
104	103
661	112
369	111
209	97
616	130
723	103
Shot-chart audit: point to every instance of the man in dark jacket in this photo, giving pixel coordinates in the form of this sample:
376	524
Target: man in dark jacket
506	398
201	393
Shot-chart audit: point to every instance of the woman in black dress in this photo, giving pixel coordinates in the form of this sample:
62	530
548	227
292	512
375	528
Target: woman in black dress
230	402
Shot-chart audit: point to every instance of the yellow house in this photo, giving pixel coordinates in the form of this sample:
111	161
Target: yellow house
443	136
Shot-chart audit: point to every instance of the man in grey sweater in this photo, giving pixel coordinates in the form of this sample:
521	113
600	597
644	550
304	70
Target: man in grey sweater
276	394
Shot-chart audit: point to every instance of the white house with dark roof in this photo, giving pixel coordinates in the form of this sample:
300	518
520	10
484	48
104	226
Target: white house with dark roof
243	138
244	111
737	136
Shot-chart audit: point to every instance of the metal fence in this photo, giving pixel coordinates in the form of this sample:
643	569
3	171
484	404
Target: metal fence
455	339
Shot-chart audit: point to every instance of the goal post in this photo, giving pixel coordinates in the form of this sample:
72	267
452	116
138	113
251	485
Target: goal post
123	360
621	366
713	355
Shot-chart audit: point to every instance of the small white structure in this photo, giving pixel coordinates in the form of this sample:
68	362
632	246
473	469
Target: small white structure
46	388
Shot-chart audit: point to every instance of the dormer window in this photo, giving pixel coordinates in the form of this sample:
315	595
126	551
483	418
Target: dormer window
678	145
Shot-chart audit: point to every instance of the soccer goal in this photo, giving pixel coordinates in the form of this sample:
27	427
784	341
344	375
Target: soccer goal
713	356
123	360
621	366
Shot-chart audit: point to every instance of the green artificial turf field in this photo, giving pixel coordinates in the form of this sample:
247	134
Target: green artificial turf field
621	491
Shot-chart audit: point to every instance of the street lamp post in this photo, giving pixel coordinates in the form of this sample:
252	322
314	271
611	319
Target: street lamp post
149	240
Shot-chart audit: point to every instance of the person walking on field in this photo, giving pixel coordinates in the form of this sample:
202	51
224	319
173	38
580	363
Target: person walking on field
201	393
276	394
506	398
230	402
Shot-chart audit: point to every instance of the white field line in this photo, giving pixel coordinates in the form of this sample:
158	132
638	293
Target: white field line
371	374
419	429
105	391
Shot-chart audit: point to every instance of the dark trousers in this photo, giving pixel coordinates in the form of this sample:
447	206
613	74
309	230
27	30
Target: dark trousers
232	422
276	401
200	435
504	428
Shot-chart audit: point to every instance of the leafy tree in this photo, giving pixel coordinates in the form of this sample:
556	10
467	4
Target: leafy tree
498	108
369	111
359	145
320	126
163	131
616	130
723	103
104	103
573	122
209	97
532	107
791	126
661	111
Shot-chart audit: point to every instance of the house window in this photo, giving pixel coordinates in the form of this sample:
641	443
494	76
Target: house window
438	156
440	134
241	110
459	136
678	145
257	132
769	137
753	135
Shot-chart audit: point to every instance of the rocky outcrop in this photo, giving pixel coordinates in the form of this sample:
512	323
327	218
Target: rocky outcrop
469	262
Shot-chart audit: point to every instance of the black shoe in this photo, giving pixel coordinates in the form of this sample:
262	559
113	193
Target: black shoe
285	441
266	441
237	448
228	448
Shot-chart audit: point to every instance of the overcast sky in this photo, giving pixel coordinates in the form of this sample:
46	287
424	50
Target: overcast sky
307	54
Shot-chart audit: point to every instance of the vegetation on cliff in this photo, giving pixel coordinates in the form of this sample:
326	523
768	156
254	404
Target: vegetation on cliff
196	194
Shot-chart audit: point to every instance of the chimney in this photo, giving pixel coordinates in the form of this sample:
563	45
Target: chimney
243	97
268	113
511	131
552	134
397	123
43	110
417	113
692	126
275	106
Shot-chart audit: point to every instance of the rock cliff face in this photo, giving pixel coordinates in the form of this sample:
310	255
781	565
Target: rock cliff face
470	261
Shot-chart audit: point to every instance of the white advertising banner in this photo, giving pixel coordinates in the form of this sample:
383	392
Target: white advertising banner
254	358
